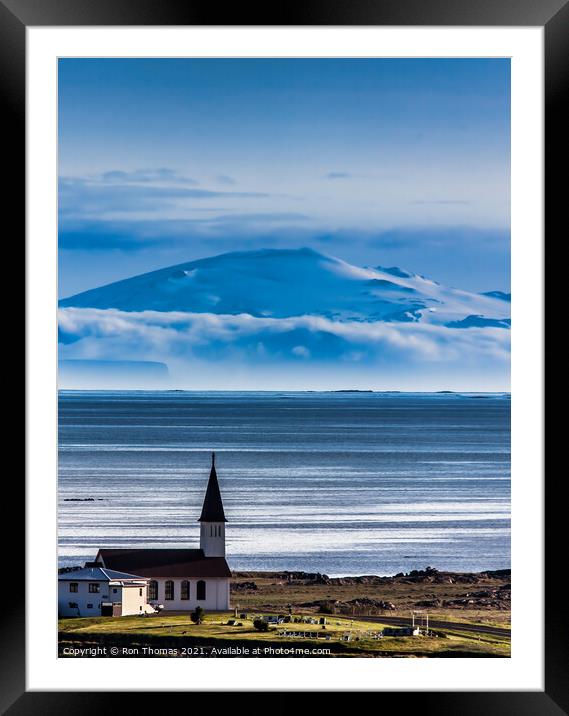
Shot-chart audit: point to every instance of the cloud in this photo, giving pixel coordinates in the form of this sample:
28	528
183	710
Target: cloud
338	175
301	351
108	236
185	337
267	217
440	202
116	193
421	237
225	179
227	230
144	175
220	232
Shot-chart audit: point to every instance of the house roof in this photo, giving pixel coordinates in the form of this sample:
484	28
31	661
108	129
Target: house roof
165	562
98	574
212	510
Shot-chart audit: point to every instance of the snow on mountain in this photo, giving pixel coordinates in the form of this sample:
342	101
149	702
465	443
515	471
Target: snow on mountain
498	294
278	283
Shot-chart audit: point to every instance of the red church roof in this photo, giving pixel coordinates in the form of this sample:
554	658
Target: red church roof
164	562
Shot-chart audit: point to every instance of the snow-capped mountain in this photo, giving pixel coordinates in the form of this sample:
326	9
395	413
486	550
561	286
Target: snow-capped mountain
274	283
291	319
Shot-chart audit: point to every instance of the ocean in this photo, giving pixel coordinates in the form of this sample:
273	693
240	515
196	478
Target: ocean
342	483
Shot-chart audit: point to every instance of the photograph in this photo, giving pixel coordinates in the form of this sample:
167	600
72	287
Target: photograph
284	319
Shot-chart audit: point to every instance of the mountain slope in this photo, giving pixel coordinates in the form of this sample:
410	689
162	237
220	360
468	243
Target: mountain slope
275	283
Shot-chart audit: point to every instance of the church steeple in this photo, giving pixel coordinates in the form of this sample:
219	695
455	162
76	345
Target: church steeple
212	519
212	510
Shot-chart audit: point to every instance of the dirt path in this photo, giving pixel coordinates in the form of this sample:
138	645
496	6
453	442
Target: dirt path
437	624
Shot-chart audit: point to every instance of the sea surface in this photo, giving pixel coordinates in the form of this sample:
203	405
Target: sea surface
339	483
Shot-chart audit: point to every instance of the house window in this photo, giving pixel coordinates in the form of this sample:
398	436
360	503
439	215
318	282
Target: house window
153	590
200	590
169	589
73	587
89	606
140	592
94	587
115	590
185	594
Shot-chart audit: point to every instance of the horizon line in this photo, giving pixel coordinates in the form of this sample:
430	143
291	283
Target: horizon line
269	390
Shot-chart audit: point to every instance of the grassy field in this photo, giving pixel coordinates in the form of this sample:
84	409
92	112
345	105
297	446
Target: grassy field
346	637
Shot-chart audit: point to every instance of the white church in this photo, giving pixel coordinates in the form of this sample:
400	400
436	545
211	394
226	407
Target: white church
182	579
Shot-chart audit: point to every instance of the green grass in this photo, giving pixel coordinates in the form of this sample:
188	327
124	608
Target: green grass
214	629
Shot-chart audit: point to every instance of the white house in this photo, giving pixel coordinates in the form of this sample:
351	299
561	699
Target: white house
182	579
94	591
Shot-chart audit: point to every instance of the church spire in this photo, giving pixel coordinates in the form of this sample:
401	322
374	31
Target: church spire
212	510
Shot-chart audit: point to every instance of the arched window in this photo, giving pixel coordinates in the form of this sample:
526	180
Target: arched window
200	590
169	589
153	589
185	590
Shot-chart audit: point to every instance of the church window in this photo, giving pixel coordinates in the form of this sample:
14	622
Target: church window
200	590
169	589
73	587
153	590
185	590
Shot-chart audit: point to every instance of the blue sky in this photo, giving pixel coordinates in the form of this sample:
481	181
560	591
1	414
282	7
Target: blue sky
388	161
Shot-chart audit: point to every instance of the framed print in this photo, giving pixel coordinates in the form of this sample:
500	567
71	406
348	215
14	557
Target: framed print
285	353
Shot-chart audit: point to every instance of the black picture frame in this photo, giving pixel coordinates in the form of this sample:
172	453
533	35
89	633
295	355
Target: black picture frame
553	15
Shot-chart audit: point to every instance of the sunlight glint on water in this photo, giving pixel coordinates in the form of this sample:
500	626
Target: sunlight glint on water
340	483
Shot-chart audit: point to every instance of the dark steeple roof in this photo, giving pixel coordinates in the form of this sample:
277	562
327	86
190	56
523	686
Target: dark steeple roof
212	510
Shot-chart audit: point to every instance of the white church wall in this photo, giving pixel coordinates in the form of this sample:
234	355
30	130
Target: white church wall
217	595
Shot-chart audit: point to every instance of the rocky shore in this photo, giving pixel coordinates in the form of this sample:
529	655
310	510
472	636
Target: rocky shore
368	594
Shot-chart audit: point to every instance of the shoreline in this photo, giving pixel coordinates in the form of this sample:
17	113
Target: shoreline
486	594
354	578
